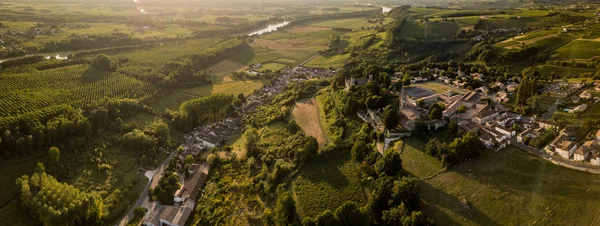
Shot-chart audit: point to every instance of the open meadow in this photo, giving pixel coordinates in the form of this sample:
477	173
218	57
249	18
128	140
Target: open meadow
504	188
306	115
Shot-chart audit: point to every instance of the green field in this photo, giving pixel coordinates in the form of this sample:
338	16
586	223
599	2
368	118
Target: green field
438	87
272	66
327	62
505	188
413	29
561	71
417	162
354	23
161	102
441	30
579	49
544	101
233	88
325	184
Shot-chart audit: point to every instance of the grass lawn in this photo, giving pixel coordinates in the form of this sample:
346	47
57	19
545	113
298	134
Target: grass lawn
306	114
510	187
325	184
326	62
438	87
417	162
273	66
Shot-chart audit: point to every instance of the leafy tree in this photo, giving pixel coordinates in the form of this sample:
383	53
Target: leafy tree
350	214
461	109
54	154
390	164
390	117
326	218
285	209
359	150
435	112
105	62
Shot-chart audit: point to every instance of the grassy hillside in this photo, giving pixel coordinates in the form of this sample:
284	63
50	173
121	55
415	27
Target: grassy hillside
506	188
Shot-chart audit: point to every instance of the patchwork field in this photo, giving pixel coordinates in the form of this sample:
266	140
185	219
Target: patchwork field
505	188
325	184
224	68
306	114
233	88
353	23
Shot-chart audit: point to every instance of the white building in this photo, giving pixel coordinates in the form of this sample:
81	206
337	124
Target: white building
564	147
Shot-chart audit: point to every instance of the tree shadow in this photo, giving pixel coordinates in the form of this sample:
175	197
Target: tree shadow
436	197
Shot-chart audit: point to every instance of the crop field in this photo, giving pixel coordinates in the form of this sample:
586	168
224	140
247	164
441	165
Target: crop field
306	115
327	62
544	101
222	70
353	23
325	184
561	71
505	188
76	85
233	88
579	49
161	102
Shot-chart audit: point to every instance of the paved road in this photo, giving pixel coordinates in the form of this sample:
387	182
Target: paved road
551	110
557	160
143	199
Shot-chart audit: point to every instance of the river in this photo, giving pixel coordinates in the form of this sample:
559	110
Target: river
270	28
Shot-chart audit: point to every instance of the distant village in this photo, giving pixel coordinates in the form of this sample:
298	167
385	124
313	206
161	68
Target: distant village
483	112
204	138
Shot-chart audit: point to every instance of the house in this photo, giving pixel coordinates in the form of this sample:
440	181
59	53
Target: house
512	87
501	97
352	82
529	133
418	79
575	99
485	114
565	147
499	85
483	89
595	158
583	152
579	109
585	95
506	131
598	135
470	99
547	125
435	124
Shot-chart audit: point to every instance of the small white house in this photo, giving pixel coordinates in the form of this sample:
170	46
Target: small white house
565	148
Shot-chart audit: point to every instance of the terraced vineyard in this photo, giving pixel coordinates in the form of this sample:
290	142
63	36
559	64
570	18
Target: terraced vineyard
76	86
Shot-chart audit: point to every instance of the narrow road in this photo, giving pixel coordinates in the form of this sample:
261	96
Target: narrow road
144	195
557	160
551	110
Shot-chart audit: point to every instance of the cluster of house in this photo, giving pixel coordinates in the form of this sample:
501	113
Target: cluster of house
178	214
278	84
563	89
566	146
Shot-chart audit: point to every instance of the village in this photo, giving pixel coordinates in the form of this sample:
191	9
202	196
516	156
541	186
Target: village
485	112
203	140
